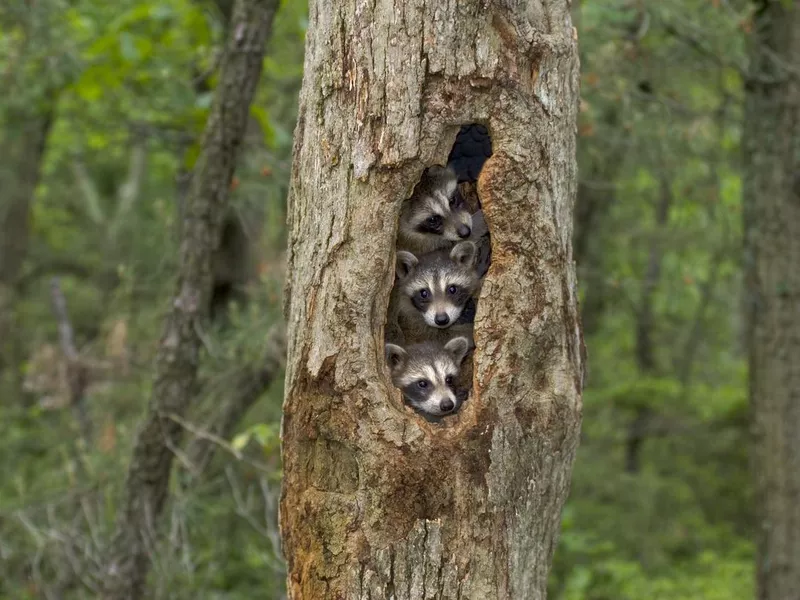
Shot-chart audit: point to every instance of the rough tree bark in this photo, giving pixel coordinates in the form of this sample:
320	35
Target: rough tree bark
148	476
772	293
376	502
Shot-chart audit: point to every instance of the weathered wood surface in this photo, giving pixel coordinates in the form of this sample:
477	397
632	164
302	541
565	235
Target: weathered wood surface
376	502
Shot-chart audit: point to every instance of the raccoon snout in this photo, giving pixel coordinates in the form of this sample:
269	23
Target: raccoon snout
446	405
441	319
463	231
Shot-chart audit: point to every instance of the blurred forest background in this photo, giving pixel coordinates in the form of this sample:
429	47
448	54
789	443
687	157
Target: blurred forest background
102	108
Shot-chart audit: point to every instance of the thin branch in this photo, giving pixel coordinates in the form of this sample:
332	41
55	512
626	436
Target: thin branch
91	196
645	351
250	383
129	191
77	373
698	46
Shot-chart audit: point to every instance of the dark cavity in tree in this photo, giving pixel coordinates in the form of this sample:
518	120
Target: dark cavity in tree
443	252
472	147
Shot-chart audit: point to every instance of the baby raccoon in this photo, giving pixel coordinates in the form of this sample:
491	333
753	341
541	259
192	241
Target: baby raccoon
432	290
436	215
426	373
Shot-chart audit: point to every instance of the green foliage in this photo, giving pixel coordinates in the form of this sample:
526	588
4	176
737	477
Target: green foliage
660	126
659	121
132	83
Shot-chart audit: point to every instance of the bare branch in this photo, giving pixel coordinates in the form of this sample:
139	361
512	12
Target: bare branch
129	191
91	197
250	384
77	373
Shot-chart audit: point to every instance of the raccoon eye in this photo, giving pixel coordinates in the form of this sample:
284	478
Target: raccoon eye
449	380
452	290
422	383
424	294
434	221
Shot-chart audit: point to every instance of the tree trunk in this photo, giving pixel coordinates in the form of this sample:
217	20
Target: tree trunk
148	477
646	361
22	147
772	242
377	502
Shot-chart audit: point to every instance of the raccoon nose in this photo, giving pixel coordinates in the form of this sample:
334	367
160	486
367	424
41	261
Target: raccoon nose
441	319
464	231
447	405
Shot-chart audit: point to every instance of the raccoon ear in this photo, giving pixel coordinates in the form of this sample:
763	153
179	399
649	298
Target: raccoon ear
395	356
464	254
457	347
406	262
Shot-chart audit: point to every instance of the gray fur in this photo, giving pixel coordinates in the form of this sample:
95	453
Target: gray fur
428	373
435	285
434	196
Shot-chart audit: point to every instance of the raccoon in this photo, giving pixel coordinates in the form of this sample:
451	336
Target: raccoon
427	373
436	215
431	291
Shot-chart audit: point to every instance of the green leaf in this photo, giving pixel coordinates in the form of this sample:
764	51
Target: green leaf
240	441
260	114
161	12
127	47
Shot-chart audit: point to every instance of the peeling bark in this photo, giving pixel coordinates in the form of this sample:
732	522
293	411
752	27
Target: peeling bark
377	502
147	483
772	293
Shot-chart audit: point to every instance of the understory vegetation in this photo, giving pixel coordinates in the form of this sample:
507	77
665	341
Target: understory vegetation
661	502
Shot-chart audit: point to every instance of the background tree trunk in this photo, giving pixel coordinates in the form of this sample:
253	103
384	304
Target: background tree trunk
377	502
772	239
23	149
176	367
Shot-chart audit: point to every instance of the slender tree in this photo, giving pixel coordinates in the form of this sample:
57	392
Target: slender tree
147	483
772	294
377	502
23	141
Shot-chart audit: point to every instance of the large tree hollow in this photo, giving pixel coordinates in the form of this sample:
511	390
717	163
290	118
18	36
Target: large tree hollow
443	211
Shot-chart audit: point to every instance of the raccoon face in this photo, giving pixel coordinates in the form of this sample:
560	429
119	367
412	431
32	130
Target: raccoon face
439	284
436	214
427	372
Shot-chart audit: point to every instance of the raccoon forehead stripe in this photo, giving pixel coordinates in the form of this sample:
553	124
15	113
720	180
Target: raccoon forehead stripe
443	202
444	368
432	206
459	279
431	373
417	371
422	281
